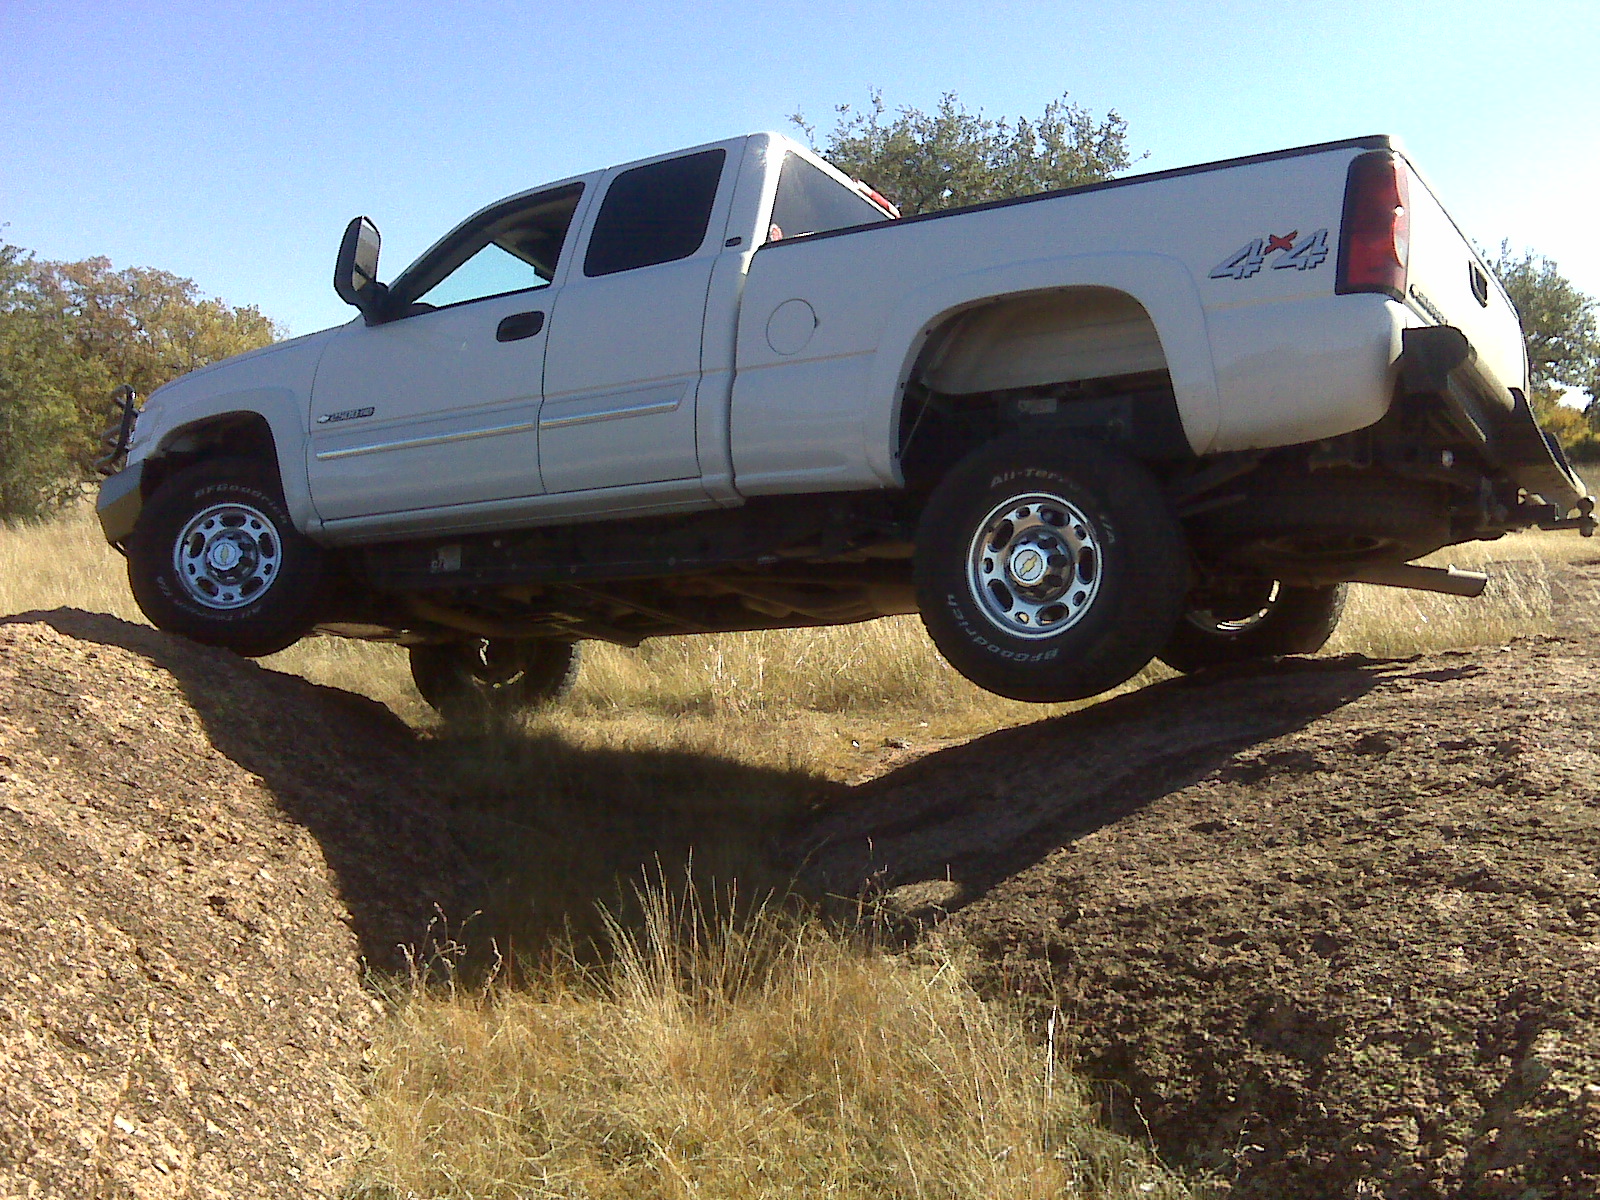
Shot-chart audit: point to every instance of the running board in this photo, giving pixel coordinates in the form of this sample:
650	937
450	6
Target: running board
1448	580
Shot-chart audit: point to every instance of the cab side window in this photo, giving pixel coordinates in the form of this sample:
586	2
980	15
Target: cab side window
810	200
515	250
653	214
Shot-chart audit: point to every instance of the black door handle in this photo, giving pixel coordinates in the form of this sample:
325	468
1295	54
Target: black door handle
518	326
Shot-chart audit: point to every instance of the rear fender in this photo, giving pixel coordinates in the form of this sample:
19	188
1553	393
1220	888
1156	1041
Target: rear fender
1162	286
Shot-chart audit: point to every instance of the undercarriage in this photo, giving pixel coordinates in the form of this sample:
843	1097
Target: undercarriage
774	563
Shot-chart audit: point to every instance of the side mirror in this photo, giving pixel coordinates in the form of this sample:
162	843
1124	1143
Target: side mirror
355	276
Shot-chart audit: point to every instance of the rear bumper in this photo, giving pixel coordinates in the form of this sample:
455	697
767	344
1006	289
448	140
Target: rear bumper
121	499
1439	361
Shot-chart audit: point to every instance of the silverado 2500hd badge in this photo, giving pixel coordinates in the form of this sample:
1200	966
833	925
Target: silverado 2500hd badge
349	414
1310	252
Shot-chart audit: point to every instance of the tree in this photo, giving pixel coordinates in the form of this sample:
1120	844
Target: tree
142	326
70	333
953	156
37	419
1558	321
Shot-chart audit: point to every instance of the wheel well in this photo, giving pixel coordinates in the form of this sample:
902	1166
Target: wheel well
1084	360
236	435
1041	338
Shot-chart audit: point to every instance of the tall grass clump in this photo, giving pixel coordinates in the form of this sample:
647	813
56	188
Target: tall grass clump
733	1057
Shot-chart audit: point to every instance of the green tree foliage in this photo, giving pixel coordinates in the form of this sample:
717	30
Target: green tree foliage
69	334
953	156
1558	320
37	419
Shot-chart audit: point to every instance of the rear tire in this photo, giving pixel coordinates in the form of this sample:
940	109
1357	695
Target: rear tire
215	557
1261	619
483	679
1049	572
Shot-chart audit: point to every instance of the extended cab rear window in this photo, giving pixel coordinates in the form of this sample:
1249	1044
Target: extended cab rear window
653	214
812	201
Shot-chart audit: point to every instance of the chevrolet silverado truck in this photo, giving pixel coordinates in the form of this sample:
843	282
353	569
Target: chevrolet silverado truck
1170	415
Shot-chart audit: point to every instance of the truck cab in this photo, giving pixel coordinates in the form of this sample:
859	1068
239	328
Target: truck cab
567	352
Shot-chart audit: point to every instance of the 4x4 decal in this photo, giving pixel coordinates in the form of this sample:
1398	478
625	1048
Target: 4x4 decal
1310	251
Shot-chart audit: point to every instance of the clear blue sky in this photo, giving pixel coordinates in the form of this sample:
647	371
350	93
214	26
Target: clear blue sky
231	142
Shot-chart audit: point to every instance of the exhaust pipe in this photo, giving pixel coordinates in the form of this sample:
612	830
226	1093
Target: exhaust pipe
1447	580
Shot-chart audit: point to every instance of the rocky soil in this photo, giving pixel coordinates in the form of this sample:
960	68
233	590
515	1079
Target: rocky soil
199	860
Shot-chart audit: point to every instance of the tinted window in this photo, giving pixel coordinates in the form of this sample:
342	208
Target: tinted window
490	272
512	248
812	201
655	214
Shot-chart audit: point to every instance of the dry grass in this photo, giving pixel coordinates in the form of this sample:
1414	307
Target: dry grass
758	1057
1389	622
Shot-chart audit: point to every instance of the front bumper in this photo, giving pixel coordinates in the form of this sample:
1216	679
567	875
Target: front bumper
121	499
1439	361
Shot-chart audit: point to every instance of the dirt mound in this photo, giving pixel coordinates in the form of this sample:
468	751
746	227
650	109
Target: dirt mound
196	855
1328	929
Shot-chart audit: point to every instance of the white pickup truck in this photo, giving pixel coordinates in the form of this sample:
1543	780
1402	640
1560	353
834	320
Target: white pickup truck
726	388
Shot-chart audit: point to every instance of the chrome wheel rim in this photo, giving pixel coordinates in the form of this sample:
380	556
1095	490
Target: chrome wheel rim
227	556
1034	565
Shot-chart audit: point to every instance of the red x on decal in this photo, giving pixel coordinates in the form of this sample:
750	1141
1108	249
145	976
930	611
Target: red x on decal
1274	242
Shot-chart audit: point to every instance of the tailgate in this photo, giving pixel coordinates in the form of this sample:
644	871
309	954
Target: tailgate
1464	342
1448	283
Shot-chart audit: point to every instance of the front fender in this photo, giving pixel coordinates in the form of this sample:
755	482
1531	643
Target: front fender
1162	285
273	383
284	410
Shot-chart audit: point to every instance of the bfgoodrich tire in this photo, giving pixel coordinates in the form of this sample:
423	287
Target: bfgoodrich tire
482	679
215	557
1049	572
1254	621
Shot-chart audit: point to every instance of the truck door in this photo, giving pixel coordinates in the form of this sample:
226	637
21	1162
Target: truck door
622	364
438	405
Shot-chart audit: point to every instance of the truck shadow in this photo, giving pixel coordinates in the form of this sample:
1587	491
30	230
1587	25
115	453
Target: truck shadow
510	842
967	817
573	837
469	847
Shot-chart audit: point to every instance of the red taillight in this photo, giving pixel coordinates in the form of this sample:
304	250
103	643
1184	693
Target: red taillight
1375	238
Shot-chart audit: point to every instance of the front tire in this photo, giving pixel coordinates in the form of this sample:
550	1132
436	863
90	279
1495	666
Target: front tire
483	679
1049	573
1254	620
215	557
